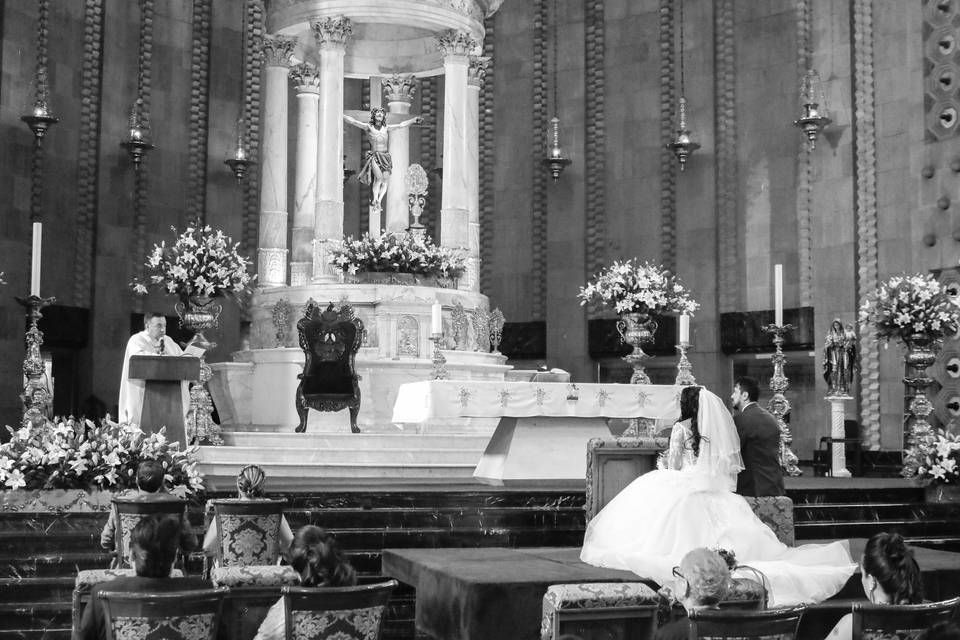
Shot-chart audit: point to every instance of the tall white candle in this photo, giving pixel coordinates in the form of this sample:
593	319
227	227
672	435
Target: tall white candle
778	294
684	328
436	318
35	259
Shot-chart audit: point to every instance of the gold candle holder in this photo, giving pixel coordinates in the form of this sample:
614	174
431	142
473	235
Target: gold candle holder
439	362
778	405
684	368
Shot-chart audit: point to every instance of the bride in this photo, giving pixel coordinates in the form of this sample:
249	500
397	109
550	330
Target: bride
688	502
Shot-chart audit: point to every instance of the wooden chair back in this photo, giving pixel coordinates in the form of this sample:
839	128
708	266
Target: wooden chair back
248	531
771	624
899	621
177	615
131	512
344	613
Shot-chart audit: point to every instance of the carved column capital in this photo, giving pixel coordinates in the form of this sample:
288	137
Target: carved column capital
456	45
477	70
277	50
306	78
399	88
332	33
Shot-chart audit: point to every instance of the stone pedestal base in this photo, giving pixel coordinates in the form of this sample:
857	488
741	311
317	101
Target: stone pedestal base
838	456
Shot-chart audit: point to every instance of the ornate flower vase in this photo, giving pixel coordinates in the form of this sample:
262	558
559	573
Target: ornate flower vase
922	351
637	329
946	493
198	314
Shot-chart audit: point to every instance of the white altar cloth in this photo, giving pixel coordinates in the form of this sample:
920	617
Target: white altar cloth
544	428
420	401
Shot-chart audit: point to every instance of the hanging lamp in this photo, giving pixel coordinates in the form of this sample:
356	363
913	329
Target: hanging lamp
683	143
555	161
813	103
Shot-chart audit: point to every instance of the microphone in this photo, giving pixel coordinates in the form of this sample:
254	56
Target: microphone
161	346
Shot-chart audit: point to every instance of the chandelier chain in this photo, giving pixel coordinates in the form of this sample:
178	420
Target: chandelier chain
556	19
680	36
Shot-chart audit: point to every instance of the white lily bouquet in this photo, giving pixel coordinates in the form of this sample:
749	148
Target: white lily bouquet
398	253
202	262
631	287
904	306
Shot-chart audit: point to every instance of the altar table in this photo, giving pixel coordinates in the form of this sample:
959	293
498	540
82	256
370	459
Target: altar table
544	427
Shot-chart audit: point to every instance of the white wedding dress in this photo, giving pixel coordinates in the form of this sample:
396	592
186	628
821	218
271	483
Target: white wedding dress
689	502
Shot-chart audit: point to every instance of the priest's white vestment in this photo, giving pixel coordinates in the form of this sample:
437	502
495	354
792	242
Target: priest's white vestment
130	405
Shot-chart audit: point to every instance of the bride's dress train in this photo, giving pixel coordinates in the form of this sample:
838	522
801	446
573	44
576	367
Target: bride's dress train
650	525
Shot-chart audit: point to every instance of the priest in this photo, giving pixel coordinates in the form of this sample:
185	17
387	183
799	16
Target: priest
153	340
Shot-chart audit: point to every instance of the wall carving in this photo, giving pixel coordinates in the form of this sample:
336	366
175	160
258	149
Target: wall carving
725	85
88	174
668	165
865	205
941	69
804	162
539	187
487	160
199	98
365	194
408	337
252	61
595	151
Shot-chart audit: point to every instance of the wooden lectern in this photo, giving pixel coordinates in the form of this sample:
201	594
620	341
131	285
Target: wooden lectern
162	400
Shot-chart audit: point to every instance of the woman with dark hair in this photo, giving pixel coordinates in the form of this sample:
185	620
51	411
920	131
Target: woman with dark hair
689	502
251	485
316	556
890	575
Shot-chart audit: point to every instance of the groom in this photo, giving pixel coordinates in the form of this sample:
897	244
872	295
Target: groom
759	442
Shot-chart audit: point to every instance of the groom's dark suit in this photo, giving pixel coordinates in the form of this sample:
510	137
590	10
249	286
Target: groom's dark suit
760	449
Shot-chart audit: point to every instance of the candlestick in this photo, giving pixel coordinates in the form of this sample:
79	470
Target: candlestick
684	328
684	368
36	392
35	259
778	404
778	294
439	362
436	318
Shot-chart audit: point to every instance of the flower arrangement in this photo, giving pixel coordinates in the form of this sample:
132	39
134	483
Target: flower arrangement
934	459
201	262
907	305
631	287
400	253
74	454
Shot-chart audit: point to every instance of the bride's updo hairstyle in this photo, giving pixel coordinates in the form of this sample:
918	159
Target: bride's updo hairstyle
689	409
888	560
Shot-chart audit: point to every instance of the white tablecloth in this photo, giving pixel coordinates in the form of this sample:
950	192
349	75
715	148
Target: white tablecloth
420	401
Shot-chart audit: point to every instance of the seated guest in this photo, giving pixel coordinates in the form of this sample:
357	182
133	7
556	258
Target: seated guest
250	486
316	556
702	580
889	574
153	548
150	488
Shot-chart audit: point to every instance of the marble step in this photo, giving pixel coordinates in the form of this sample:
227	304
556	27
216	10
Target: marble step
909	528
265	455
39	565
53	589
369	441
25	619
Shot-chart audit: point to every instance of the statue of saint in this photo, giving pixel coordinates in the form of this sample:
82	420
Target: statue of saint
839	358
377	163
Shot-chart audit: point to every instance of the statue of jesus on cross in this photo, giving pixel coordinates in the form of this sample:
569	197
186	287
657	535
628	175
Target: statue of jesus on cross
377	163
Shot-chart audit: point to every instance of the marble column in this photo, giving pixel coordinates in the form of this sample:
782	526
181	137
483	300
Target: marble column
475	74
272	242
331	35
456	47
399	90
306	80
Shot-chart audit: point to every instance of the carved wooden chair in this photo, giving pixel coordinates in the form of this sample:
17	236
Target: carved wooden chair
899	621
130	512
161	616
329	382
344	613
599	610
770	624
88	579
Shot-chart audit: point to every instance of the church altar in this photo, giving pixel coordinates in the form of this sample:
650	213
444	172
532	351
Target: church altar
543	428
